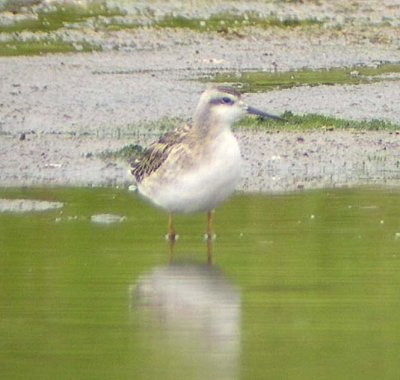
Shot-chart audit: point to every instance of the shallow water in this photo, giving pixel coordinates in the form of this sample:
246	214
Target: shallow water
303	286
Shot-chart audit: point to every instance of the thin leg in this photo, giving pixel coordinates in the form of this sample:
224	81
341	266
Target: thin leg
209	225
171	238
171	229
209	238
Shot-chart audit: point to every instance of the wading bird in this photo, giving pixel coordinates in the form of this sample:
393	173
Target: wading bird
196	167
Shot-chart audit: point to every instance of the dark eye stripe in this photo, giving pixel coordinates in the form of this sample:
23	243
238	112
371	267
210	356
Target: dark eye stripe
224	100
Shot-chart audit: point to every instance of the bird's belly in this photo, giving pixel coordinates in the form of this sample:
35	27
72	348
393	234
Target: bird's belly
203	187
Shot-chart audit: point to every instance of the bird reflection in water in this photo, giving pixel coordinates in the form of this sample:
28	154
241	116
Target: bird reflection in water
190	315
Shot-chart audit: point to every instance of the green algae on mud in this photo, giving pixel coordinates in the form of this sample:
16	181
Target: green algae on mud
262	81
42	45
305	122
318	275
103	16
290	122
58	16
223	23
229	22
42	22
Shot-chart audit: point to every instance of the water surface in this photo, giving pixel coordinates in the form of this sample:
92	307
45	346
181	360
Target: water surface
303	286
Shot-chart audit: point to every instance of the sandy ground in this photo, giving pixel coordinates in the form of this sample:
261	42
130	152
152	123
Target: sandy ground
72	107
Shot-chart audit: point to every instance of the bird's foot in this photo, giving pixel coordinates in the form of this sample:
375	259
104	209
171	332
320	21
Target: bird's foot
209	237
171	237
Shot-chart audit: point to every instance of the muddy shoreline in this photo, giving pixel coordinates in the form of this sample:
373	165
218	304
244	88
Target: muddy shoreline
70	108
272	162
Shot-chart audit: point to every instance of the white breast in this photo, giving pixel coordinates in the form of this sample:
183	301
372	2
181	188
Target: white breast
207	184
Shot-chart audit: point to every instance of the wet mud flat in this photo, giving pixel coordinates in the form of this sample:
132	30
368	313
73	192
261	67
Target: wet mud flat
272	161
59	113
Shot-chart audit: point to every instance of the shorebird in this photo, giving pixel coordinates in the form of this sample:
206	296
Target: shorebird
195	168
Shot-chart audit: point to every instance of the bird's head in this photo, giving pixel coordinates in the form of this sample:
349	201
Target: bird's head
223	105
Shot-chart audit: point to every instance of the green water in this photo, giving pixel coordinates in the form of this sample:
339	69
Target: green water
304	286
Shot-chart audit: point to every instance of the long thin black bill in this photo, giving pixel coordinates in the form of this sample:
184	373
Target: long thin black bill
262	115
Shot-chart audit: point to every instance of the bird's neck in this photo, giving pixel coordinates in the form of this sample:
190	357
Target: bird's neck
208	125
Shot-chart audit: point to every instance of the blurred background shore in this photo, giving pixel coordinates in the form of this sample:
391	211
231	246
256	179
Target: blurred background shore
82	80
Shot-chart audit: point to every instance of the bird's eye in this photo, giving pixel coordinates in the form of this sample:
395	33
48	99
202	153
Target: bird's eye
226	100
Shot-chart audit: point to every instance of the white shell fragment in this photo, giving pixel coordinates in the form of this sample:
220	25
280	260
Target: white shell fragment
27	205
107	218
